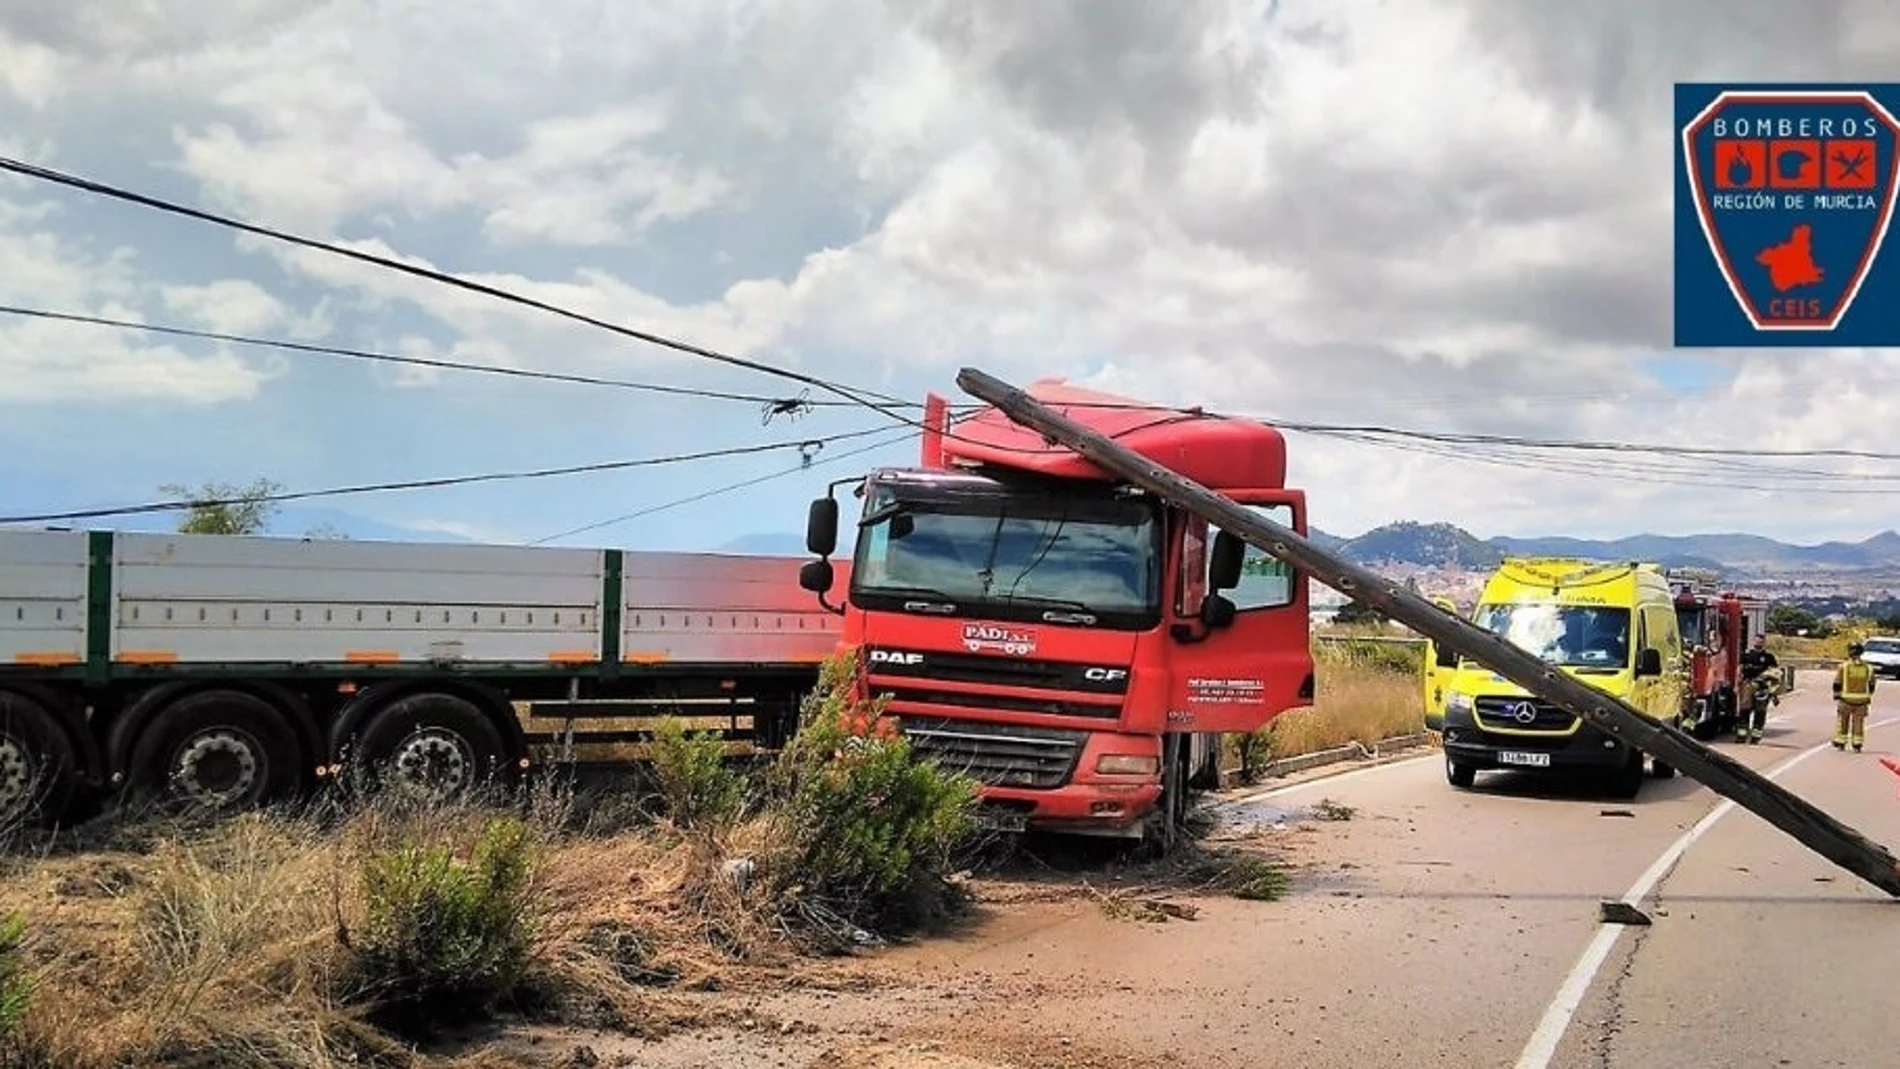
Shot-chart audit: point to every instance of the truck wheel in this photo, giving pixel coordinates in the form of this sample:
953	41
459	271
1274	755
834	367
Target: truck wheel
1661	769
216	750
429	745
1459	775
38	772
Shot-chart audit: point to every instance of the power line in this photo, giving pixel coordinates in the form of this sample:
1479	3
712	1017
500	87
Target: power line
776	404
48	174
806	448
101	189
902	434
1635	474
1458	438
888	408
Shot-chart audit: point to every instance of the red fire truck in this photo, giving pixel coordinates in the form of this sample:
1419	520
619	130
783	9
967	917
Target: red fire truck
1074	642
1716	627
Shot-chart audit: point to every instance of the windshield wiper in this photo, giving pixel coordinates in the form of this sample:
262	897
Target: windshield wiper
1061	610
942	605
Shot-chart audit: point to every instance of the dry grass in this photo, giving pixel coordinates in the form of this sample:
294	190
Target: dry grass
1359	694
1831	648
228	945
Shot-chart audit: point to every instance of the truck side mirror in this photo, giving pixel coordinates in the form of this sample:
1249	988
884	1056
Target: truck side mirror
1217	611
1223	568
821	529
1447	658
816	576
1649	662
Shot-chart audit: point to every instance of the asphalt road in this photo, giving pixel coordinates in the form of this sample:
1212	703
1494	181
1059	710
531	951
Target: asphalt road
1438	927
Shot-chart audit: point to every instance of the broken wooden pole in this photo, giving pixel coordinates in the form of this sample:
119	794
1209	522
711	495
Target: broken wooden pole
1759	795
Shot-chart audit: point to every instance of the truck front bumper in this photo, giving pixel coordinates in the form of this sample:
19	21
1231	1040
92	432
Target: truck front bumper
1469	744
1047	779
1114	810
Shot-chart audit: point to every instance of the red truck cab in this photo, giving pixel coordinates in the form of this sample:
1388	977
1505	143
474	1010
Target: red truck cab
1071	641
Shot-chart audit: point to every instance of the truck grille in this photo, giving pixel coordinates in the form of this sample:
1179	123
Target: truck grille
997	755
1503	713
911	675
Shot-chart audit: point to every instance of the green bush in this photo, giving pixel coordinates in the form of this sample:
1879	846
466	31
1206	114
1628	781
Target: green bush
443	938
697	786
868	828
1255	750
16	988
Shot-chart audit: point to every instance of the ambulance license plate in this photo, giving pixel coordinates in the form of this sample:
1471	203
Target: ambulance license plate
1532	760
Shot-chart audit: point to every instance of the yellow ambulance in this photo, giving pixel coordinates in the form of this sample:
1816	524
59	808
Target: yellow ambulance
1610	624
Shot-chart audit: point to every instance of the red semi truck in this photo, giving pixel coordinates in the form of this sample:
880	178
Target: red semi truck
1716	627
1074	642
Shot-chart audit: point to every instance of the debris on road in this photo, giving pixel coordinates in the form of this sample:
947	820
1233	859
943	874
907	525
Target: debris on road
1327	809
1623	913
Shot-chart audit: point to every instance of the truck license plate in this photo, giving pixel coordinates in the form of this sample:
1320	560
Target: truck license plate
1533	760
997	818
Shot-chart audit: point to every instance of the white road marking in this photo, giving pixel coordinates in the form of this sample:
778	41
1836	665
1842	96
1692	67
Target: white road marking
1550	1031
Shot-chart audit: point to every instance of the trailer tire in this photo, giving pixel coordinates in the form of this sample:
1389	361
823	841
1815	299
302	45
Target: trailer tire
425	737
33	746
215	749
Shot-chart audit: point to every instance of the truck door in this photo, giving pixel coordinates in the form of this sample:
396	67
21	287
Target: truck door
1235	677
1437	677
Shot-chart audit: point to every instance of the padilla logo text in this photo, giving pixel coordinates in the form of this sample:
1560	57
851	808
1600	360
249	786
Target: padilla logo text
1791	192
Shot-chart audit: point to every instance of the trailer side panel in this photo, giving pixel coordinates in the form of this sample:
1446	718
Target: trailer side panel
248	600
42	598
719	608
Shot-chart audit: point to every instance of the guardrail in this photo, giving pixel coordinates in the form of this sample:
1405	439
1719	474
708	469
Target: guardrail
1352	751
1386	640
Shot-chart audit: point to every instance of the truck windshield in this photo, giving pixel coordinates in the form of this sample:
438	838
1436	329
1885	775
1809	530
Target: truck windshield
1882	645
1088	561
1579	636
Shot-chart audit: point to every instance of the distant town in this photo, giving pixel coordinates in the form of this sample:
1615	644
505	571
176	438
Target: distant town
1834	581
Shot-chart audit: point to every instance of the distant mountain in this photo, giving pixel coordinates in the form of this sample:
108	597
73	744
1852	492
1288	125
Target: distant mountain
1409	542
288	523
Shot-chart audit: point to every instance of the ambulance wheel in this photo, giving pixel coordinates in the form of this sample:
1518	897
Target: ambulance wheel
1661	769
1627	780
1459	775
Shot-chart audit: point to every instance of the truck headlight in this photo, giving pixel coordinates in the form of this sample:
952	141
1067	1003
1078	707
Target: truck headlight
1127	764
1458	701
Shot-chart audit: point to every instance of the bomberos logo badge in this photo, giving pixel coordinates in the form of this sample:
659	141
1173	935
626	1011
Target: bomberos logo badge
1785	195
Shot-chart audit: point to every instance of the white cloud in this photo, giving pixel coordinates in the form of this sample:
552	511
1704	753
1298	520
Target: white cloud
49	361
228	306
1452	216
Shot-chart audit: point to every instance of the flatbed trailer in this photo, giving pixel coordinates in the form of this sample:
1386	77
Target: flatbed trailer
230	670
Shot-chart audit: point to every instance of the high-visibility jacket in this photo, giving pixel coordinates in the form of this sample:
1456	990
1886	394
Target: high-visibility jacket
1855	682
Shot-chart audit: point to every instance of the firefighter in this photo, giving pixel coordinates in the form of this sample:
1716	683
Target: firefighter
1853	693
1758	685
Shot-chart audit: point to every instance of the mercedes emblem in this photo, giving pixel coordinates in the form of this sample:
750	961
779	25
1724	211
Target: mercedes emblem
1524	712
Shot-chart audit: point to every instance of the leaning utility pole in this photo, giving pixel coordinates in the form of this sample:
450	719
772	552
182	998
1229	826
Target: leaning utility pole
1721	773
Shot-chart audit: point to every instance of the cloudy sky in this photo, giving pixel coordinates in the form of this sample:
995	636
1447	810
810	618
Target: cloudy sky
1451	216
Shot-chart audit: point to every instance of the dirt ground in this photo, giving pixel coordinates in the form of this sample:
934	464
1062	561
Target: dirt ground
979	996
